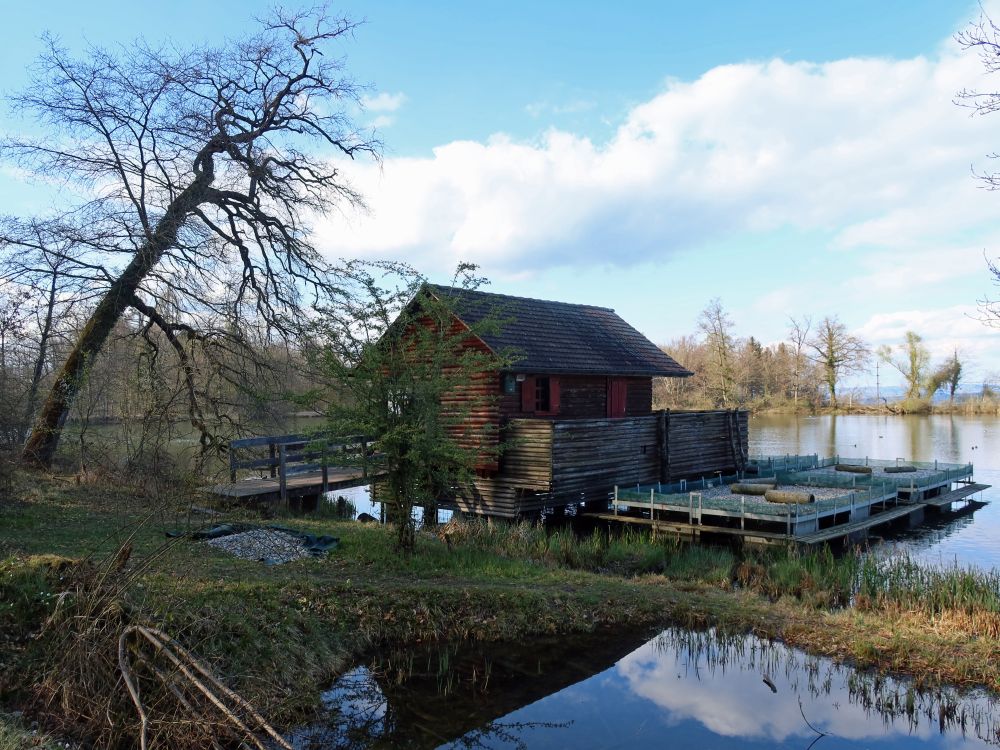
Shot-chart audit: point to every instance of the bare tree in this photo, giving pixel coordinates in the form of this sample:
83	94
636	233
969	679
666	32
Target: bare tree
983	37
912	365
39	265
717	326
199	182
798	335
837	353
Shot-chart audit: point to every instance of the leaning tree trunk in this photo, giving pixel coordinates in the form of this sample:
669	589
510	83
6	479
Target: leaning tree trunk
41	445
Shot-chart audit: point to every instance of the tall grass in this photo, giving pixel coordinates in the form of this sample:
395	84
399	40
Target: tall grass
965	597
969	596
630	552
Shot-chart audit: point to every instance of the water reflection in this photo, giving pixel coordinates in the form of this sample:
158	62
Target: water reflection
681	688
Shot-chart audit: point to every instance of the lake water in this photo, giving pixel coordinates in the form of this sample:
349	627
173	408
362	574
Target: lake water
686	689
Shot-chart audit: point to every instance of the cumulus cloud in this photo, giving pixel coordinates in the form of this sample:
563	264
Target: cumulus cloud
943	329
872	151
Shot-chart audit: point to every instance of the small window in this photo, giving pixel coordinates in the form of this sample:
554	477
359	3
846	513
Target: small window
540	395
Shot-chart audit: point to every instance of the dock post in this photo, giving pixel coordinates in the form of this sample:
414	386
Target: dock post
652	513
700	496
743	512
616	499
691	509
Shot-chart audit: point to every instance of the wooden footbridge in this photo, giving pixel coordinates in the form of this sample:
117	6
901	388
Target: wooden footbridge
294	469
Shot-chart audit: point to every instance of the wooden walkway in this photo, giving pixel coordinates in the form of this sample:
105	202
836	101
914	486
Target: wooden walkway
296	467
962	493
847	530
296	485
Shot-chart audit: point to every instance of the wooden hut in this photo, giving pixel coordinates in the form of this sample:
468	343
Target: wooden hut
574	411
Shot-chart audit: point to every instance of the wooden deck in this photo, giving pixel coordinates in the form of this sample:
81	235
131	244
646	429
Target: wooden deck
912	511
296	485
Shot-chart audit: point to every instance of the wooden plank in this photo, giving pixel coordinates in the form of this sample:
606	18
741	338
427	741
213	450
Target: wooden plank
296	484
842	530
960	494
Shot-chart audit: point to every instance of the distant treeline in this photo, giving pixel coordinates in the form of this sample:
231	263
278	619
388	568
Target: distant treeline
806	371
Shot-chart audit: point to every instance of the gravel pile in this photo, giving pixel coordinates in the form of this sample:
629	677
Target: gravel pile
262	544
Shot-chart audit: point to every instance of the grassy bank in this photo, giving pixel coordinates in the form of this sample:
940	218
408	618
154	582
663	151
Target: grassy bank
279	634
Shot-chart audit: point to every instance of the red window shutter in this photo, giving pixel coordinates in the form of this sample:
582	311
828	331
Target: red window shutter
616	397
554	395
528	395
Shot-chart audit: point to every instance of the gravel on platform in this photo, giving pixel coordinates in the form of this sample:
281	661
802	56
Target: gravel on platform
820	493
262	544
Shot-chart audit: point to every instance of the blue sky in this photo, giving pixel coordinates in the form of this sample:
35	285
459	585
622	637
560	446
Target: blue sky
789	158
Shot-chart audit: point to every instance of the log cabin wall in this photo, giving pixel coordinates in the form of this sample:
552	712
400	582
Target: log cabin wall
639	397
700	443
472	413
553	462
586	396
591	456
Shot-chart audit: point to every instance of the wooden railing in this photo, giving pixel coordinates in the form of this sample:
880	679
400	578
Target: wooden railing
290	455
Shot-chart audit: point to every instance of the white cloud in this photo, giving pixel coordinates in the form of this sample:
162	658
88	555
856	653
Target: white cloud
383	102
870	150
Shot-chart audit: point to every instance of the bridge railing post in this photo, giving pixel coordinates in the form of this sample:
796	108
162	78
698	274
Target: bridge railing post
282	477
326	468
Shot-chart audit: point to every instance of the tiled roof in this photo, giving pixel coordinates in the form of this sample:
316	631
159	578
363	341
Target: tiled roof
560	337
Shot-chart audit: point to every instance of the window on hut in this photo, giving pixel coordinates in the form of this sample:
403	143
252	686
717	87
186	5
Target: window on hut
540	395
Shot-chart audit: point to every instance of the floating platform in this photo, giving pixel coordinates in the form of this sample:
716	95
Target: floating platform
849	498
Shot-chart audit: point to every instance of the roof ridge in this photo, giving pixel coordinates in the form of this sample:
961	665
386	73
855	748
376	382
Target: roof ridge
514	296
